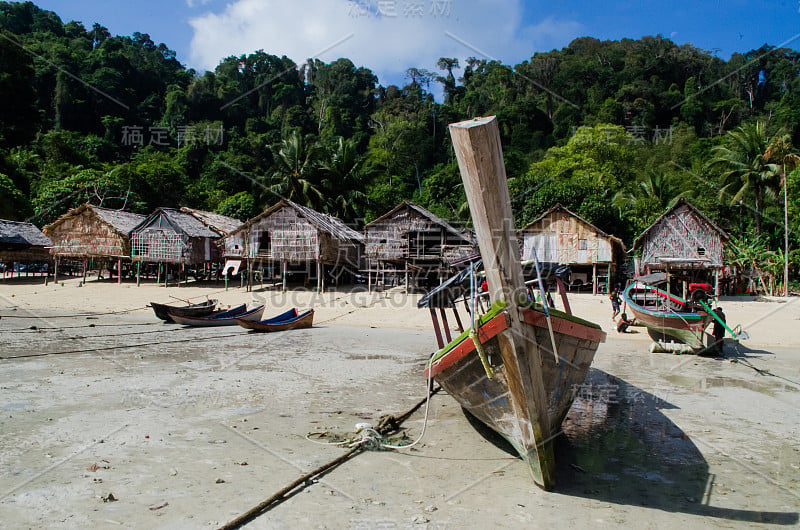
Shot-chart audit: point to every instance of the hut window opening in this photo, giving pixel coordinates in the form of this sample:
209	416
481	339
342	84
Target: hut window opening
583	244
264	242
701	251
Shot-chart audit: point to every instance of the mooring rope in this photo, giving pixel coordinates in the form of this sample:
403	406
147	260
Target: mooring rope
74	315
388	425
372	439
43	329
124	347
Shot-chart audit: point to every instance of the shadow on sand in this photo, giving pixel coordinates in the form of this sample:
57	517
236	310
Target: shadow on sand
618	447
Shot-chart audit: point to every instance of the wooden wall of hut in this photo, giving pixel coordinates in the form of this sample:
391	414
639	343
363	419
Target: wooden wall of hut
561	238
406	234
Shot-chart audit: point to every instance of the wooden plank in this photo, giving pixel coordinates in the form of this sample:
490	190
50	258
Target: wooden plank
480	160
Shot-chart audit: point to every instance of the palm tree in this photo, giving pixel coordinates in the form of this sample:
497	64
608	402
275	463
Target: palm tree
648	198
780	149
344	180
744	168
295	174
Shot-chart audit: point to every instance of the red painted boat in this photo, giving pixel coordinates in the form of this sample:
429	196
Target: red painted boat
520	369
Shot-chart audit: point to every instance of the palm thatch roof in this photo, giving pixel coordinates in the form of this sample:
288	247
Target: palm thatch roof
178	221
424	213
681	202
16	235
118	220
219	223
322	222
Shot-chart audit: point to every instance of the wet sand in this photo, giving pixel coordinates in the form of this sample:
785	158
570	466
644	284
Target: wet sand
194	432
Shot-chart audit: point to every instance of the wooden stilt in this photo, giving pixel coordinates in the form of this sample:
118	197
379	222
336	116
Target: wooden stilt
138	272
119	271
84	270
594	279
436	328
283	274
319	276
55	271
445	324
458	320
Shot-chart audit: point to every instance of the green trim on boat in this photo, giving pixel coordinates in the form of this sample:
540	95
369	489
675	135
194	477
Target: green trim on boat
493	311
566	316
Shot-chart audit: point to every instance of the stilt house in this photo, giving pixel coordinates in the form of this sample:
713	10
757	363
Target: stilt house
93	233
23	243
563	237
287	236
685	244
410	240
177	236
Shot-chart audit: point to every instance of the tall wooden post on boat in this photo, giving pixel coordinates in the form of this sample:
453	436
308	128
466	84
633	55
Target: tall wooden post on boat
480	160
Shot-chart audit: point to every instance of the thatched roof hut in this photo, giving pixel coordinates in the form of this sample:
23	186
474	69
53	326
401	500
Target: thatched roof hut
415	240
683	241
563	237
222	224
682	238
288	233
22	242
92	232
174	236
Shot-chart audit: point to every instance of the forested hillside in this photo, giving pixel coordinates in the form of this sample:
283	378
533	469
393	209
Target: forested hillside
614	130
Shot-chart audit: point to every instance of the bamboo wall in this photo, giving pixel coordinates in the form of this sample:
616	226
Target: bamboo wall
683	235
25	255
408	235
166	246
291	237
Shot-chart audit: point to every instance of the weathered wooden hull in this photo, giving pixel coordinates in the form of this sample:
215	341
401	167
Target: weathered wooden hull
685	327
226	318
292	319
460	372
162	311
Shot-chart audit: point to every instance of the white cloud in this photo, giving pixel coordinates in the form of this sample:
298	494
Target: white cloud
386	36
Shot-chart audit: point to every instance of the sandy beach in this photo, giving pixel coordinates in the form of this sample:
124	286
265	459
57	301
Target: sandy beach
111	418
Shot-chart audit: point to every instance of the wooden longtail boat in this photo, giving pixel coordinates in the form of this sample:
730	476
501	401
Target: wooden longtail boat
292	319
222	318
666	316
512	381
201	309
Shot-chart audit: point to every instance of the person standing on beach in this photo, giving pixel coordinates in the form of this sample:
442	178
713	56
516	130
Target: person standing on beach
719	331
615	304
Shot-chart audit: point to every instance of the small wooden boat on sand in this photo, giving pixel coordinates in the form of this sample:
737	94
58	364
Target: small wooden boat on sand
517	369
201	309
222	318
292	319
668	317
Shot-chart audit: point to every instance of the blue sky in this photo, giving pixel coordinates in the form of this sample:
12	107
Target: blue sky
389	36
